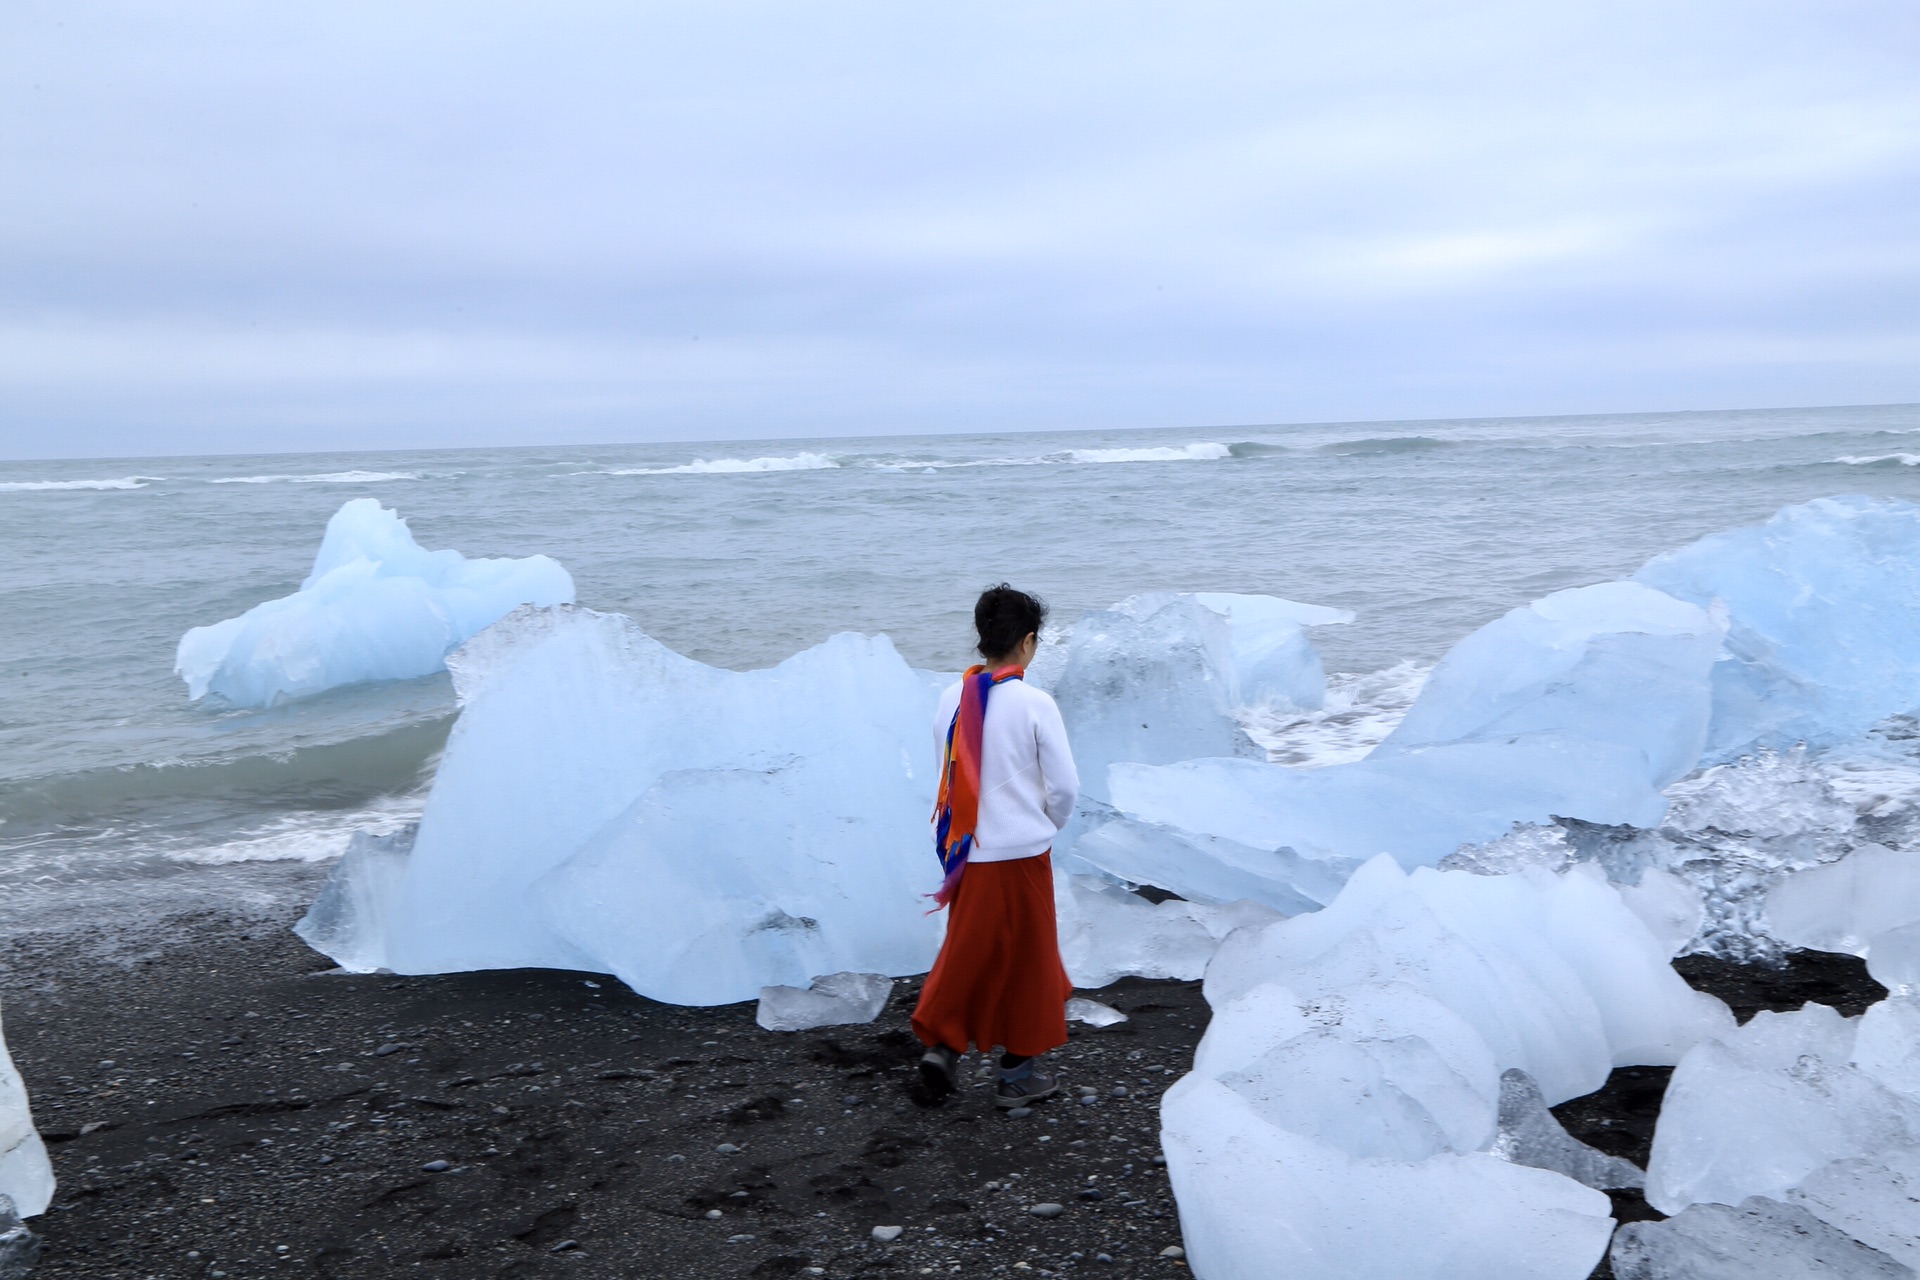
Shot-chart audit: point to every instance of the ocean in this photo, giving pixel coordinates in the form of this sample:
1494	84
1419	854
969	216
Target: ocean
742	553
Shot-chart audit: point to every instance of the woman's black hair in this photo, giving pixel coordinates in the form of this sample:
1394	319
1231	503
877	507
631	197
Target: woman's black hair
1004	617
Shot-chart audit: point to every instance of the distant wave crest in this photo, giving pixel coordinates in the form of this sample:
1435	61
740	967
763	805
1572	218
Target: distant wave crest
330	477
1206	451
1386	444
1882	460
736	466
124	482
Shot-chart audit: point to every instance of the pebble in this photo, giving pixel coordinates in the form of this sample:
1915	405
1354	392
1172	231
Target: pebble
386	1049
676	1159
436	1166
1088	1099
1019	1113
1120	1091
1048	1210
565	1246
887	1234
1093	1193
1103	1257
727	1149
851	1100
741	1238
1173	1251
1159	1159
713	1215
326	1159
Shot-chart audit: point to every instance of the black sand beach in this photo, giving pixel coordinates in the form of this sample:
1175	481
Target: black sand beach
218	1105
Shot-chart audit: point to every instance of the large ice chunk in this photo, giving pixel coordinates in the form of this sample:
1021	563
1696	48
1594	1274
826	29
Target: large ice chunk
375	607
1151	679
1211	868
1823	610
1617	663
1581	705
1274	664
1559	977
1107	933
1159	677
26	1175
1257	1201
1843	906
1752	1112
1378	1070
1759	1239
606	804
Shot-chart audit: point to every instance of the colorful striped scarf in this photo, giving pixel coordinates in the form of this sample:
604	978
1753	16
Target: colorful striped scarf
957	809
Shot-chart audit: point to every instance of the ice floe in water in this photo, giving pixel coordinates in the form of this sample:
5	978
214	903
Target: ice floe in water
376	606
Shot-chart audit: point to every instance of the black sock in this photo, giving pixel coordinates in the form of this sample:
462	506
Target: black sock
1008	1061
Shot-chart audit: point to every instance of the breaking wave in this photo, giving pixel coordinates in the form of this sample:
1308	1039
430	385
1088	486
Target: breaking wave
1385	444
330	477
1202	452
1882	460
123	482
736	466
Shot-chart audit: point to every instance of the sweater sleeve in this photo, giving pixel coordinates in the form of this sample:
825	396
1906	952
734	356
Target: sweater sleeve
1056	761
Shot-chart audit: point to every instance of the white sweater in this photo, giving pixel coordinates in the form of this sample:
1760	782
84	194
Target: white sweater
1027	780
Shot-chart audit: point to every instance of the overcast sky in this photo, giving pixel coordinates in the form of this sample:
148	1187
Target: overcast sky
255	227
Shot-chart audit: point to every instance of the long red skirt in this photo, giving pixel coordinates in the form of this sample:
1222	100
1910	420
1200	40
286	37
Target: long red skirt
998	979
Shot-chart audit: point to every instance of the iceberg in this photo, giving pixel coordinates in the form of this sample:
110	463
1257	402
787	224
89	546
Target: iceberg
1822	604
376	606
605	804
26	1175
1754	1111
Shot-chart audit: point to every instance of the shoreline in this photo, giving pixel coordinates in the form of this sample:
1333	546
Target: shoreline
209	1093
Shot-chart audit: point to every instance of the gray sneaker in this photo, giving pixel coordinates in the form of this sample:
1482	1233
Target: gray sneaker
1023	1085
940	1070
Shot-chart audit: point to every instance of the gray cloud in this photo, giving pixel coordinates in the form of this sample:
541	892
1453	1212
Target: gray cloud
240	227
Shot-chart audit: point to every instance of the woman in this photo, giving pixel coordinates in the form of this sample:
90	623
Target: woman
1007	786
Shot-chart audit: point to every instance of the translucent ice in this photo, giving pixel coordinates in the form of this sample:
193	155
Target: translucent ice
1553	971
1886	1044
1093	1013
1160	677
1274	664
1616	663
348	919
1530	1134
1580	705
1378	1070
1151	679
1844	905
26	1174
835	1000
375	607
1258	1201
1876	1200
1760	1238
1893	958
1211	868
1823	610
1107	933
1757	1109
605	804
